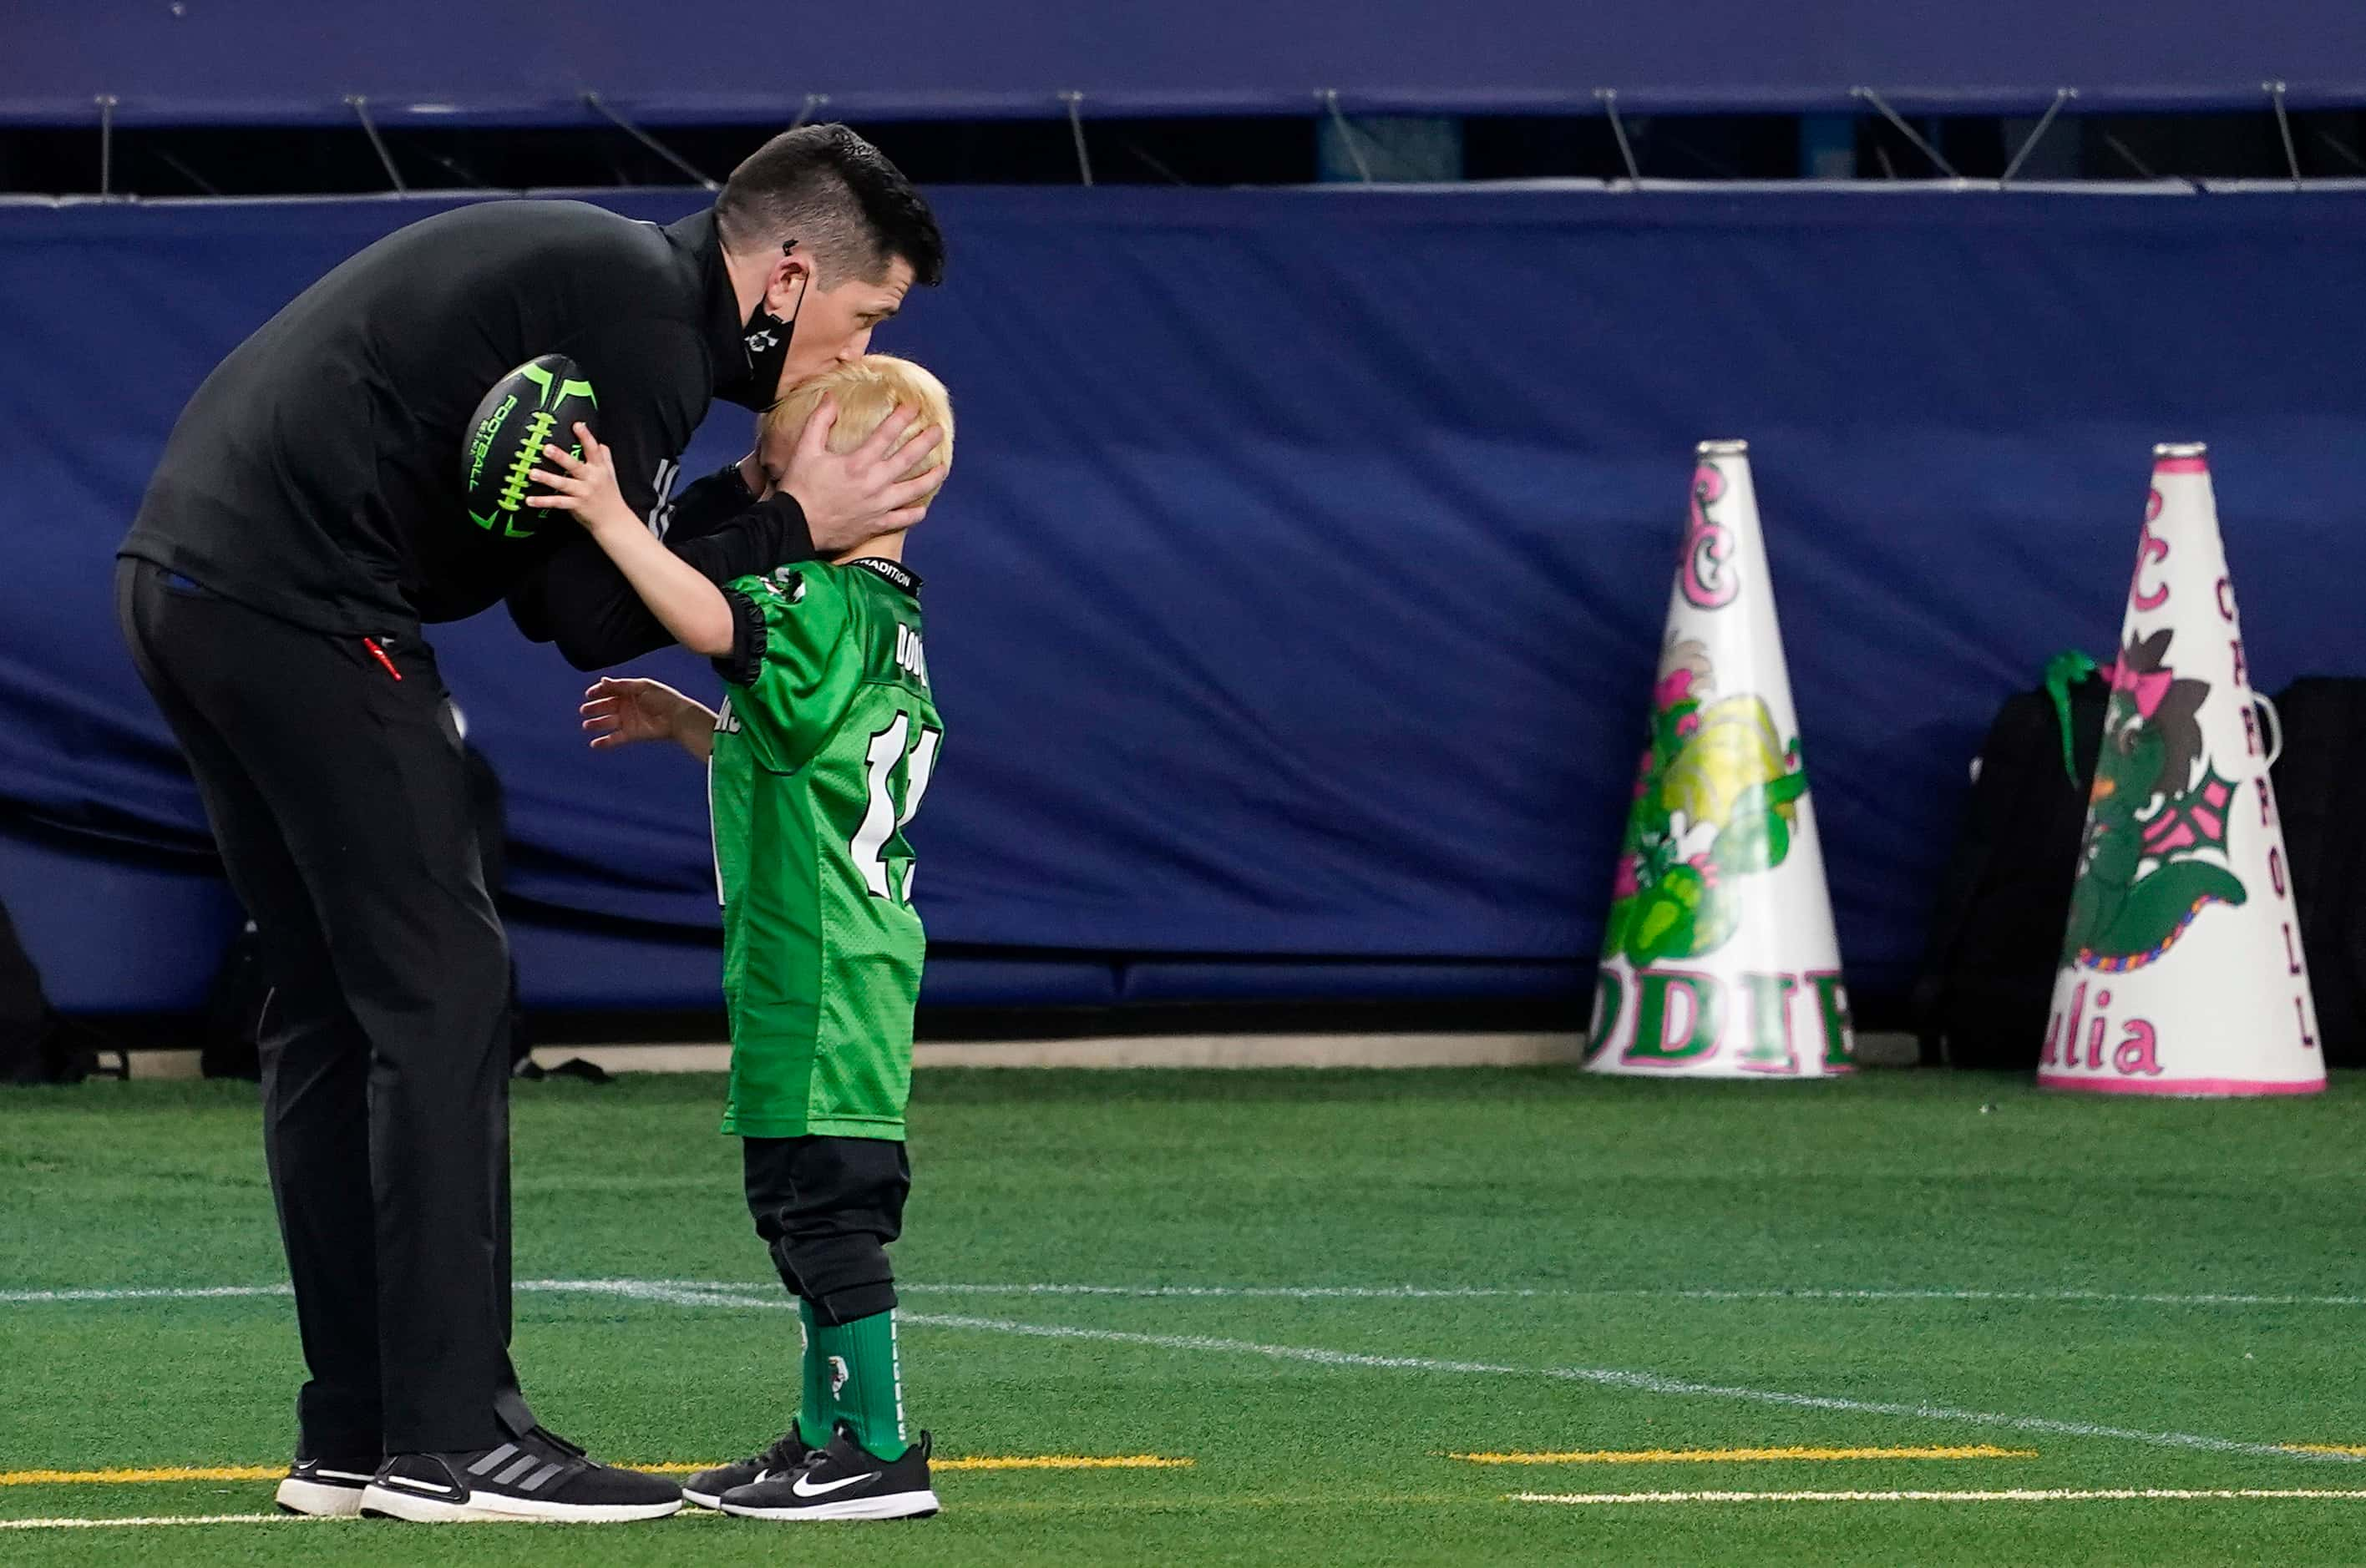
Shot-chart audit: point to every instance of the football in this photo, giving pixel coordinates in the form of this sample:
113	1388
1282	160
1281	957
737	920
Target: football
541	400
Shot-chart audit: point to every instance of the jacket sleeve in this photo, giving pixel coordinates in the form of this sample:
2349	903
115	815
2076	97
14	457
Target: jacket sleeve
648	379
704	505
579	600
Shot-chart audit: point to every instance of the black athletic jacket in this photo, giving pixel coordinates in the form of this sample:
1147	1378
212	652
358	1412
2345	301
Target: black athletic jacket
315	475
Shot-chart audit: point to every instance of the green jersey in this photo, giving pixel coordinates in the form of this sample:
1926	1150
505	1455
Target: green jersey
823	749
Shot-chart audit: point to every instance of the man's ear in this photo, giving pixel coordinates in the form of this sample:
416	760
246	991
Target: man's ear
792	275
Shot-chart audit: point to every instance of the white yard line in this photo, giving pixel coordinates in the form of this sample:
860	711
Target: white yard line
1306	1293
2149	1494
1637	1382
736	1297
169	1519
184	1292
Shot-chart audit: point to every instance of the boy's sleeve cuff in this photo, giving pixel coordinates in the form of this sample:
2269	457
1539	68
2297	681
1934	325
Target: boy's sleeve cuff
745	662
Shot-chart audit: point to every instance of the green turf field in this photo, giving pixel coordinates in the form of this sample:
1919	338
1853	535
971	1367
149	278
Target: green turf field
1366	1274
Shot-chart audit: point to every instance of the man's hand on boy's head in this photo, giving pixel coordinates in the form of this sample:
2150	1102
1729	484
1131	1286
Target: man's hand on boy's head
850	497
585	485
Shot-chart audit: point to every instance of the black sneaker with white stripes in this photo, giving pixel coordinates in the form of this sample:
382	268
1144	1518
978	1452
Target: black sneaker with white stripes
842	1482
783	1458
537	1476
325	1488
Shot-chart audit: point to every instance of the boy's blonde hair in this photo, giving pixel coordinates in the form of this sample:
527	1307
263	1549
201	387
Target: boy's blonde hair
866	391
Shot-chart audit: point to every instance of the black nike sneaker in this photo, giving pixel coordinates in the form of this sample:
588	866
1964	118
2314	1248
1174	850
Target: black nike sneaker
787	1457
538	1476
325	1488
842	1482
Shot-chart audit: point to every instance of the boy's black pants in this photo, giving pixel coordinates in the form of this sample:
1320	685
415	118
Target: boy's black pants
827	1207
340	802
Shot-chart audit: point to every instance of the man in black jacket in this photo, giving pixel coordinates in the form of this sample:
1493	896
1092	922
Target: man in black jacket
307	517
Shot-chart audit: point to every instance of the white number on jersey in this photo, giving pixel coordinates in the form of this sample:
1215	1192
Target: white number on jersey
870	844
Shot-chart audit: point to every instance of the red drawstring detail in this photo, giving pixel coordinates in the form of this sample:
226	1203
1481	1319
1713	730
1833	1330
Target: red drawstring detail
379	654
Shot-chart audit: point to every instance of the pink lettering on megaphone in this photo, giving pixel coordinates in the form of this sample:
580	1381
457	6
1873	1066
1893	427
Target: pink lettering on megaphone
1708	581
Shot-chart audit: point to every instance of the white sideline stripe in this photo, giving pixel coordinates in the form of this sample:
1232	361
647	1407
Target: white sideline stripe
1645	1382
682	1294
172	1519
1291	1292
2149	1493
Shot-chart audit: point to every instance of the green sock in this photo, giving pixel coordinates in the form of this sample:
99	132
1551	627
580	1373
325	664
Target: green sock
859	1370
817	1412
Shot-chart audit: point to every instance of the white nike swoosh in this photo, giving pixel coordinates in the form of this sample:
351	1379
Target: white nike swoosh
802	1490
425	1488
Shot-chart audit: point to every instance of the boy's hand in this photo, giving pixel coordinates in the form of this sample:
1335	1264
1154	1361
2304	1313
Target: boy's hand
618	712
586	486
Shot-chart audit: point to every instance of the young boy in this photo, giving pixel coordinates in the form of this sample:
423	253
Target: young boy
823	747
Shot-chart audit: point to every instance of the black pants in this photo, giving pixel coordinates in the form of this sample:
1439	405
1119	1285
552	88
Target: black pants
339	799
827	1207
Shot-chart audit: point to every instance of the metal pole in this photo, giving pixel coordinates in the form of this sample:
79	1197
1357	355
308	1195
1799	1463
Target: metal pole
465	174
106	102
2061	96
2275	91
592	100
1076	130
2346	154
188	174
813	102
360	105
1347	134
1609	97
2116	145
1870	96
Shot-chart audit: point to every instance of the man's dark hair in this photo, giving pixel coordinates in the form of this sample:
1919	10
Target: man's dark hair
838	197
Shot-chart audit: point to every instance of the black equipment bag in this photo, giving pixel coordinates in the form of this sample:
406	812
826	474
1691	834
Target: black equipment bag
1987	976
2317	781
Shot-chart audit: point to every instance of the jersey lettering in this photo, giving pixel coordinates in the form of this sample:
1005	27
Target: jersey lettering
910	656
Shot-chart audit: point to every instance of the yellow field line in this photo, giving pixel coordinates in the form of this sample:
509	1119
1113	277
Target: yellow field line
1734	1456
999	1462
273	1471
2351	1451
2064	1494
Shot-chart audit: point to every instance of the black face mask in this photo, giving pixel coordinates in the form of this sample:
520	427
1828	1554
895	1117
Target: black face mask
766	339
